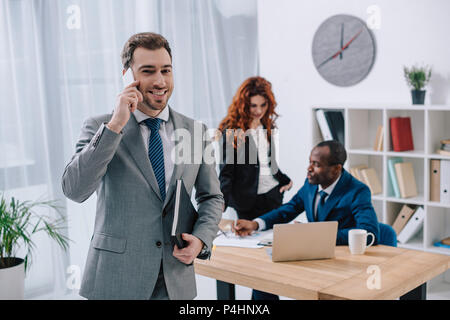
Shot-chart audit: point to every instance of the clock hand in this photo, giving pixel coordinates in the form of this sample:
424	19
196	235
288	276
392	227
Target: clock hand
332	57
352	39
325	61
342	49
342	39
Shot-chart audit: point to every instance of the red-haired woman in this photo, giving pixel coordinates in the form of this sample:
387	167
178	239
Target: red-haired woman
249	176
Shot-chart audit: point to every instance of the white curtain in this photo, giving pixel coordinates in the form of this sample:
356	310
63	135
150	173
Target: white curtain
60	63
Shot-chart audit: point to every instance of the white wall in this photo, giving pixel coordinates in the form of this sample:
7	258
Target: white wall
411	31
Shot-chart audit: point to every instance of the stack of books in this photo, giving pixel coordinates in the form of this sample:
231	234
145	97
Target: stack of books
445	148
368	176
444	243
401	178
408	222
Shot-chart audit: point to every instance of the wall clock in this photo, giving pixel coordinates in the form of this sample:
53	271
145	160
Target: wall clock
343	50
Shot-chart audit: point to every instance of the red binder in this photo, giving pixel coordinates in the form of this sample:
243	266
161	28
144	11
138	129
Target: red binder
401	134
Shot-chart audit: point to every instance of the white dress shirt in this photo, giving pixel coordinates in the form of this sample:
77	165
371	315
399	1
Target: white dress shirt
328	190
266	181
166	131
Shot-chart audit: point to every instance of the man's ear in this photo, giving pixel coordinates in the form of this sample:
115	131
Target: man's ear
337	169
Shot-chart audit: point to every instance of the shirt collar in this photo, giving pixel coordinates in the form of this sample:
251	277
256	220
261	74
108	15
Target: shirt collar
140	116
330	188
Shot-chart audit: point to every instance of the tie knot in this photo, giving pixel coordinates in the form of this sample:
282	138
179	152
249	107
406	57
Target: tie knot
153	123
323	195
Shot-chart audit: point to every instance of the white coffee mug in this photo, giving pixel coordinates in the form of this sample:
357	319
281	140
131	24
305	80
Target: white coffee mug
357	240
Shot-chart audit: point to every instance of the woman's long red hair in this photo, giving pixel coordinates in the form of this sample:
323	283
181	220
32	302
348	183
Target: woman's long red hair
238	116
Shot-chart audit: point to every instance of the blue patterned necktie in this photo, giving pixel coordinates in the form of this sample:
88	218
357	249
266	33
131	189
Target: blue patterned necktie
321	204
156	154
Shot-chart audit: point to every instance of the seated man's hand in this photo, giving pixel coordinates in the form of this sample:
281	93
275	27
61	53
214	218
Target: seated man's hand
191	251
245	227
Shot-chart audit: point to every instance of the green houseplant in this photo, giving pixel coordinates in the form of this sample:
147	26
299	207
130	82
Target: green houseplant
417	77
18	223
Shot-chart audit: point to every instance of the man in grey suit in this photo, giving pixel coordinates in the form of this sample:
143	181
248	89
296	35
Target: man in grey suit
126	158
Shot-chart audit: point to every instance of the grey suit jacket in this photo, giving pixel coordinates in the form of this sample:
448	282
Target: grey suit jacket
132	232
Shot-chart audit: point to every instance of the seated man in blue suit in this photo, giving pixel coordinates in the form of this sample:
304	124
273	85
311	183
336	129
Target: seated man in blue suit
329	193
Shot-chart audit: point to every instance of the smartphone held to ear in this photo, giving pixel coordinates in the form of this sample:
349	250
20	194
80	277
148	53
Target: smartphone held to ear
128	78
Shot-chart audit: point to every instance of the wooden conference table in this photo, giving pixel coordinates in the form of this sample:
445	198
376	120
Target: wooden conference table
402	273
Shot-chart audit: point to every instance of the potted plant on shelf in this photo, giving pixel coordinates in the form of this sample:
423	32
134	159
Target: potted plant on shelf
18	223
417	77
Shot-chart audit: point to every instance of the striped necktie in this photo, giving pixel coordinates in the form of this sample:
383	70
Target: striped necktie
156	154
321	204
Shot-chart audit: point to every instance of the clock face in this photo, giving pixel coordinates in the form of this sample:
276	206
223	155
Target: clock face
343	50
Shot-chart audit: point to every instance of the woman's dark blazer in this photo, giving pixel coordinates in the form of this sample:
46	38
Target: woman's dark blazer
239	172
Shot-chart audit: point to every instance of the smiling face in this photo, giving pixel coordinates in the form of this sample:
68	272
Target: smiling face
258	107
153	69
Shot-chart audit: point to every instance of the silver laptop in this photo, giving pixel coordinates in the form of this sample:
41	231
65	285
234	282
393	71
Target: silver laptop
304	241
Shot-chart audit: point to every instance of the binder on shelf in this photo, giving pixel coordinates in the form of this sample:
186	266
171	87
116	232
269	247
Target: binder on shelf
445	181
401	134
406	180
412	226
402	218
371	180
378	145
184	214
331	124
356	172
323	125
393	176
335	121
435	180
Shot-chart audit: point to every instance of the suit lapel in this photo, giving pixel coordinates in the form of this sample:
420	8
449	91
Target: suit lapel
178	168
334	197
132	139
310	209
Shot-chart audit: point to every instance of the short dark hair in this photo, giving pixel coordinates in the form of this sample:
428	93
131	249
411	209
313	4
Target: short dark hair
338	155
148	40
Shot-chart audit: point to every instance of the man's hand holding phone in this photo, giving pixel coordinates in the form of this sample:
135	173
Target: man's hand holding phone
127	101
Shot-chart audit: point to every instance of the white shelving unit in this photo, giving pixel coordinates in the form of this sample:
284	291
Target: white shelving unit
430	124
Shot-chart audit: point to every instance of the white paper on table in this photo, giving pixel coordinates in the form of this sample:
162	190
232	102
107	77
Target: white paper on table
251	241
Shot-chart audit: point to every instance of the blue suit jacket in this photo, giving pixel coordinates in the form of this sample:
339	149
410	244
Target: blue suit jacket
349	204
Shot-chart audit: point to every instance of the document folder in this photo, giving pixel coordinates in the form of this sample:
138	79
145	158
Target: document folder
435	180
184	214
403	217
445	181
412	226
